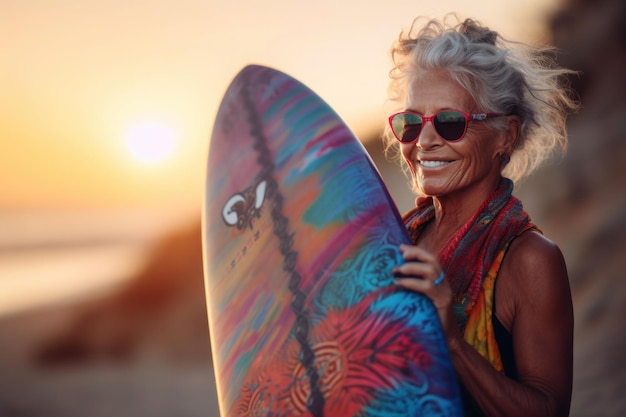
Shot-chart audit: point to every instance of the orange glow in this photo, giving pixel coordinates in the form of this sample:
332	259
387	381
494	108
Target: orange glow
78	79
75	76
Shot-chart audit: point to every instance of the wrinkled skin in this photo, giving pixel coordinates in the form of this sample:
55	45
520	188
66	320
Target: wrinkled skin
532	292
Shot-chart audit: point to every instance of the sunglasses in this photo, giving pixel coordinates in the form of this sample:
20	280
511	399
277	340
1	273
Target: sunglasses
451	125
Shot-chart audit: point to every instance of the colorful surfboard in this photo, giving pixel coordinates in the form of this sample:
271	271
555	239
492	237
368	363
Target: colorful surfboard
300	236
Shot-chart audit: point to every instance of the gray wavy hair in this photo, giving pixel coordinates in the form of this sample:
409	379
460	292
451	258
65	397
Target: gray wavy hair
501	76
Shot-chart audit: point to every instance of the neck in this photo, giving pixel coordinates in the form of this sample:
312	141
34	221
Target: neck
452	212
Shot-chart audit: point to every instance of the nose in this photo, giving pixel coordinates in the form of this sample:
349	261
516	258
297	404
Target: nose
428	138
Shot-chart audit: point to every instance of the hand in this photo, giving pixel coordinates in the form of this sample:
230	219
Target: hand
423	273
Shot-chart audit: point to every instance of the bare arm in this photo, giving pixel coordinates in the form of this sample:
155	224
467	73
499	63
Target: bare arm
534	303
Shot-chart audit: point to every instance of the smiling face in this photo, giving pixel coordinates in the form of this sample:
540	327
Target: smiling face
443	168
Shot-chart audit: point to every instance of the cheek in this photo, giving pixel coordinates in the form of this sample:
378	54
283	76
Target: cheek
479	162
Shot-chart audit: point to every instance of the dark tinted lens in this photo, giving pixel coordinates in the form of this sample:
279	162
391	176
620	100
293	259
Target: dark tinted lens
450	125
406	126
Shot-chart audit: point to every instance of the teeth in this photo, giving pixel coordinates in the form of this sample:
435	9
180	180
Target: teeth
433	164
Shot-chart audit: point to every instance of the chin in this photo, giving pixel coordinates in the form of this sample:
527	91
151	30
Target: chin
428	189
424	191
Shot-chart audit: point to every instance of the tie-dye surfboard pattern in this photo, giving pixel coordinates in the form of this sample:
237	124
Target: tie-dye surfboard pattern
300	236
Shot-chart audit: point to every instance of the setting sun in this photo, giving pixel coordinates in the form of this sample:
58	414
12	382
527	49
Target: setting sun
150	142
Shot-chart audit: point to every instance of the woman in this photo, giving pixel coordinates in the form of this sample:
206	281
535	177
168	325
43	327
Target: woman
479	110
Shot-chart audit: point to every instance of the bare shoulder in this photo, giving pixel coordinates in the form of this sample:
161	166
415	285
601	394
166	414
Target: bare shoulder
532	258
533	278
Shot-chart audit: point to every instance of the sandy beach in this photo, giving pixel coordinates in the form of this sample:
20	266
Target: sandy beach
59	352
146	387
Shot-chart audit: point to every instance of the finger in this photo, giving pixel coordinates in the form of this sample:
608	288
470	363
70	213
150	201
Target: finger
418	285
422	270
416	253
439	279
413	269
440	295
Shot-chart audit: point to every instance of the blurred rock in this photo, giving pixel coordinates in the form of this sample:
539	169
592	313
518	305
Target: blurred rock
159	315
580	202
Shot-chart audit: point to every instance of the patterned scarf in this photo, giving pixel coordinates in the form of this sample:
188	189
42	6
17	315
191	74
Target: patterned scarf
472	258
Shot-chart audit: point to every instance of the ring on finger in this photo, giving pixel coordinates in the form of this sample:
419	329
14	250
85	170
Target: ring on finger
439	279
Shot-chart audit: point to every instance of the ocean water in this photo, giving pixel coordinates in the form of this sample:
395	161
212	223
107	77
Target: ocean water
29	278
55	256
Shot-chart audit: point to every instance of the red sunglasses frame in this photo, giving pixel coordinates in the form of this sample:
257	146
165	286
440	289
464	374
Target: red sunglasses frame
468	118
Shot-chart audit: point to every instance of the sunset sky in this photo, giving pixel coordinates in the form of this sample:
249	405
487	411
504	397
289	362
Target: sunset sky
85	84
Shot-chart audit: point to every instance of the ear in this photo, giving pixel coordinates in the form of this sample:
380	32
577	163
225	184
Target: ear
514	129
510	135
